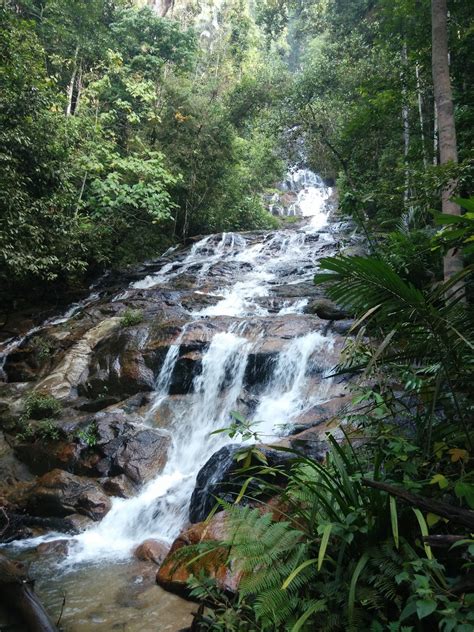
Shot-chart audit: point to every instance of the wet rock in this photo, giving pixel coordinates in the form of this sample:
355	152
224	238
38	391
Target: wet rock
326	309
12	470
325	411
173	577
78	523
125	447
58	548
119	486
342	327
152	551
44	456
62	494
220	478
72	370
118	366
100	403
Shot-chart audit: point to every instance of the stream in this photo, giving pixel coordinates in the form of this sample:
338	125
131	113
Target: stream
227	326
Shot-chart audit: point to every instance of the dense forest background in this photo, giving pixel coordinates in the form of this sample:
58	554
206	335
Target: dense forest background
123	131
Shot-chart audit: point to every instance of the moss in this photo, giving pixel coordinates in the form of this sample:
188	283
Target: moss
131	317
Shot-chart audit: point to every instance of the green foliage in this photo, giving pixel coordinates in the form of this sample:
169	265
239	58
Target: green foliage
89	435
40	406
131	317
44	430
110	149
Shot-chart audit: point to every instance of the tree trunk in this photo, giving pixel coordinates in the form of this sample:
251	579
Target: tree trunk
406	125
420	114
70	88
446	126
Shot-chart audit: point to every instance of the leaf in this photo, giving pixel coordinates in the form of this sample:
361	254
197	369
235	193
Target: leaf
432	519
296	572
465	490
467	204
425	607
324	544
352	590
458	454
243	490
394	521
238	416
441	480
424	532
364	317
319	606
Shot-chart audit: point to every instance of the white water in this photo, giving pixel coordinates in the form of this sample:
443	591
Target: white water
281	257
290	391
160	510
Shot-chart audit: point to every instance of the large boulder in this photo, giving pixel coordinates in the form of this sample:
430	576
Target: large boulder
72	370
174	576
221	477
117	444
60	494
123	446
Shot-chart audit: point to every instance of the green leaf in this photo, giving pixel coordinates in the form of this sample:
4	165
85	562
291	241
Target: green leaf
318	606
425	607
424	531
324	544
243	490
467	204
296	572
466	491
441	480
394	521
352	589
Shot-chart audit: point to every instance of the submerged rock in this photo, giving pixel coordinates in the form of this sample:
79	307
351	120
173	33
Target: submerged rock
152	551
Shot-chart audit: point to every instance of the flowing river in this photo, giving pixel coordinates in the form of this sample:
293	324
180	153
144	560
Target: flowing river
244	326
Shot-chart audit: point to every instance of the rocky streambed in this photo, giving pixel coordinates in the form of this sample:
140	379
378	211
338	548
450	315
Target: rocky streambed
107	410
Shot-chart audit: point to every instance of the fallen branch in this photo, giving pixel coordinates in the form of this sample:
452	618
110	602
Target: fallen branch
457	515
16	593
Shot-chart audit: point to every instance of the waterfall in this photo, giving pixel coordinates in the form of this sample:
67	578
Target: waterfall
161	509
248	269
290	391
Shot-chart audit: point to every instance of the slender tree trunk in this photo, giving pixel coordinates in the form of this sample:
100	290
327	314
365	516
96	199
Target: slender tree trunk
420	114
70	88
435	135
406	125
446	126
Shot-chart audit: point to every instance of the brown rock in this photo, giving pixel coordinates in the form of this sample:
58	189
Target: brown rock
119	486
152	551
59	493
59	548
173	576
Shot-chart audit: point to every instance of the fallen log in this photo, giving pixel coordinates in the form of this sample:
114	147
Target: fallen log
17	594
457	515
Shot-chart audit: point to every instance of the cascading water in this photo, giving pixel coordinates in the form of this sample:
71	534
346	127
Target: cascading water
290	392
160	509
249	268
